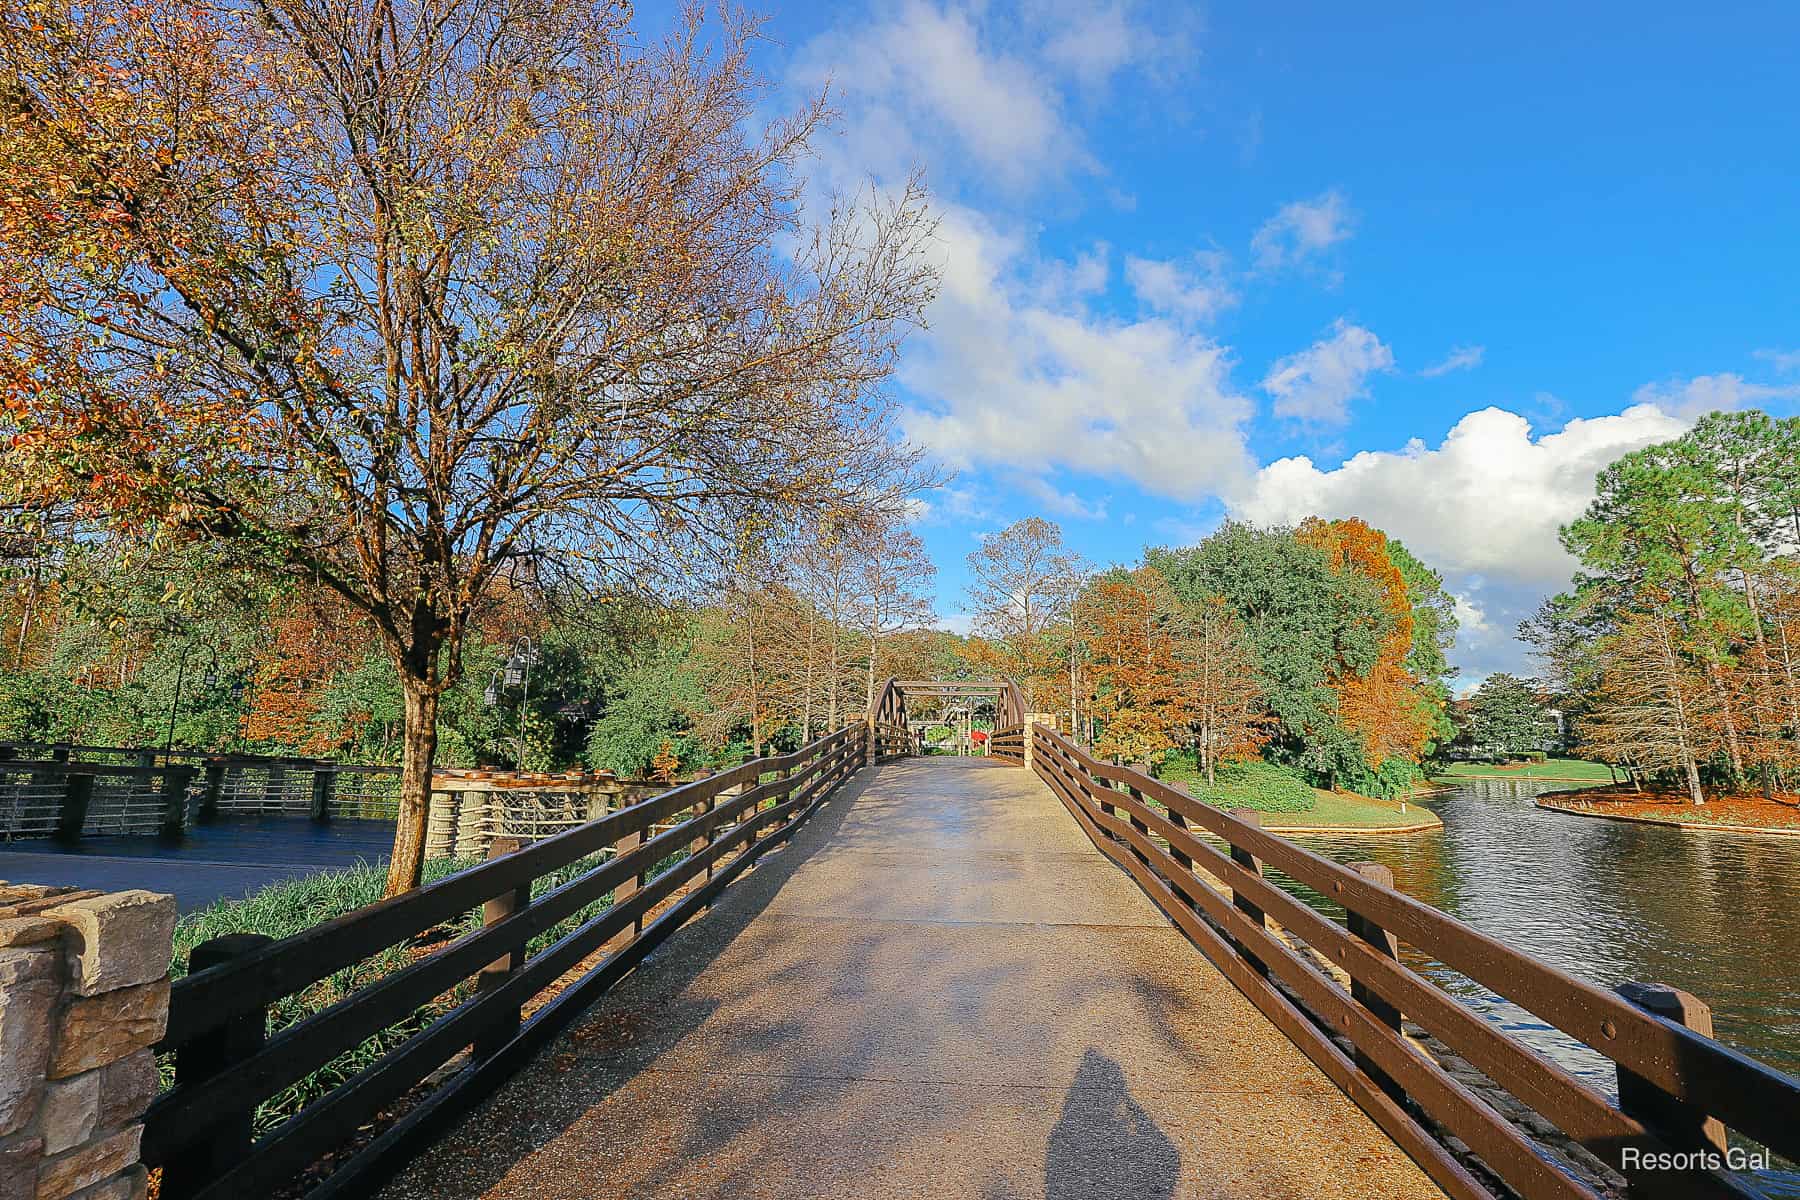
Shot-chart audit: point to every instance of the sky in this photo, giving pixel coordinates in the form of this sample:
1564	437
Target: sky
1429	265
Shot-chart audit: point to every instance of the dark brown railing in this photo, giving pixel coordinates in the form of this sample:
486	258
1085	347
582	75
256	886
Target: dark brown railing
702	834
1678	1087
1008	743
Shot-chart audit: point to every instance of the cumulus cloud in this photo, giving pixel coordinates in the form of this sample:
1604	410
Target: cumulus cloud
1488	499
1694	398
1318	383
1301	231
1010	379
1195	289
929	72
1462	358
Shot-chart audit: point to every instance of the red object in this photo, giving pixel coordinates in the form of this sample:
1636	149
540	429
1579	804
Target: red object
979	736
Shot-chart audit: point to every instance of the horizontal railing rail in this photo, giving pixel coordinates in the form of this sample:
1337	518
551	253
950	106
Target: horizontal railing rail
680	847
1008	743
1677	1085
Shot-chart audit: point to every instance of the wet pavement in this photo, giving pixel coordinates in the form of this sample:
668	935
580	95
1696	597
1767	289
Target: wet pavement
940	989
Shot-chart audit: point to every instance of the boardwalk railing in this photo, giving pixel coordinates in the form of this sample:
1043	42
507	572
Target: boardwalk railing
1679	1089
601	913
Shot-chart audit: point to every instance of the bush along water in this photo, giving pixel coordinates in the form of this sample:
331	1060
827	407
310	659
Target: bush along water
1264	786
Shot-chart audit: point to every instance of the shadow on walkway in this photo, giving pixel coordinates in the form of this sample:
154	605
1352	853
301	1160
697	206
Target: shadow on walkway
1105	1146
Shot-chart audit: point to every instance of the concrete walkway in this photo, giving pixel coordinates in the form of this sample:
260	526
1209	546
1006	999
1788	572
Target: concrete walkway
940	990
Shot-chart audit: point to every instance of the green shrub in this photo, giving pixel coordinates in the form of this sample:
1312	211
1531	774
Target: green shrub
1264	786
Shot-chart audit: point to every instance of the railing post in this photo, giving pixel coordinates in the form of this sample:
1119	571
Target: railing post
1245	905
324	787
78	793
1676	1121
1139	826
215	790
227	1142
1384	944
506	1024
176	782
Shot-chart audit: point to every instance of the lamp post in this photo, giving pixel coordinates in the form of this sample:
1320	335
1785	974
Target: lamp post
210	679
516	673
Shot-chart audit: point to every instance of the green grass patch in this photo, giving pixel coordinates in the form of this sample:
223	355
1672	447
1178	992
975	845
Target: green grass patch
284	909
1574	769
1339	810
1263	786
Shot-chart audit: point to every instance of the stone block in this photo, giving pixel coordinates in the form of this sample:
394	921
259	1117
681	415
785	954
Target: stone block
117	940
70	1172
69	1112
130	1186
19	1159
28	994
126	1089
97	1030
28	931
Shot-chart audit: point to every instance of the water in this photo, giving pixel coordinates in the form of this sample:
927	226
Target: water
1717	915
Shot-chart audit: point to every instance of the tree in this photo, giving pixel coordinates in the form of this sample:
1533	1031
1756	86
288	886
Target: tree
1299	616
1661	711
1134	634
892	582
1227	703
1507	718
1381	701
407	296
1024	584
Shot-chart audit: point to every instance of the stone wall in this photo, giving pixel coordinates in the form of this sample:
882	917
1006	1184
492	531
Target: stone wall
84	994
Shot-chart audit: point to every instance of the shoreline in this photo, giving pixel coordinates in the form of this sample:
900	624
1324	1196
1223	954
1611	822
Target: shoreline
1308	822
1689	826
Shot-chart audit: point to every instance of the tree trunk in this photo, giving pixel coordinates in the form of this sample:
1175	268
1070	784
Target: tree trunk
418	750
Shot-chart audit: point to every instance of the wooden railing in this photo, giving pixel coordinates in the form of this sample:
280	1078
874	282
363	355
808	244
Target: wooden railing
891	740
1678	1087
1008	743
678	849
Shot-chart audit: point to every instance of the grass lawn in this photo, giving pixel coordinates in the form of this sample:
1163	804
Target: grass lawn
1565	769
1342	810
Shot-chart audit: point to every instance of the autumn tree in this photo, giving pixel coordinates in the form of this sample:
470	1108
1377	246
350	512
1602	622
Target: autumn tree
407	295
1379	700
1024	583
1662	713
1140	664
1229	722
892	591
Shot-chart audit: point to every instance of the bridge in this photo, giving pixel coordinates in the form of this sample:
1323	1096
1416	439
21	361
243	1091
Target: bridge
858	971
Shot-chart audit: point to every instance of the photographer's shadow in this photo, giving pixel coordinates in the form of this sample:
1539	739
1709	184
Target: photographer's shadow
1105	1146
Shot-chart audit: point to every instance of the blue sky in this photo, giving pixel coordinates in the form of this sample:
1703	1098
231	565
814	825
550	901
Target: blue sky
1429	265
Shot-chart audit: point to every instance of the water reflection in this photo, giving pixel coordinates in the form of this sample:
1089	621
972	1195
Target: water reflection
1715	914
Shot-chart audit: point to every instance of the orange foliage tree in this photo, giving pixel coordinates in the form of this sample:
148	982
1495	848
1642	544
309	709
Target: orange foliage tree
1380	702
1140	661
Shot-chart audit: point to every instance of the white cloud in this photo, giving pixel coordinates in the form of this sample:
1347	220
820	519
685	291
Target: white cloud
1488	500
1782	360
1059	502
1318	383
1197	292
1469	615
1009	378
1694	398
1461	358
929	73
1301	231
